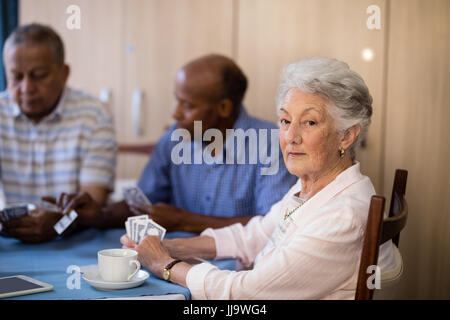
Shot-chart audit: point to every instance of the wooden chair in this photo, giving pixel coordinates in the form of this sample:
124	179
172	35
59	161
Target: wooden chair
380	229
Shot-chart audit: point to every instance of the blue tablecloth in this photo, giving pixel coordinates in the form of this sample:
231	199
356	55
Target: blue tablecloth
49	262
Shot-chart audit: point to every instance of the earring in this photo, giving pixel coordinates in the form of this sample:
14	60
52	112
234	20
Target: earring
342	152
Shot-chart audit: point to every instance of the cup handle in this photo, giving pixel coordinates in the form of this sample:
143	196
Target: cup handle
138	266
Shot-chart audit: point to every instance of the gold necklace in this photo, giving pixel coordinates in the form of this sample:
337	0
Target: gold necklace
288	214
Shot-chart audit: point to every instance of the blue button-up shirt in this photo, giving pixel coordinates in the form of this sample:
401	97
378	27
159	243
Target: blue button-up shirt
223	190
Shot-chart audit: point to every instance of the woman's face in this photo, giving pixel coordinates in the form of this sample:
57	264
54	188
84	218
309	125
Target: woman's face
308	137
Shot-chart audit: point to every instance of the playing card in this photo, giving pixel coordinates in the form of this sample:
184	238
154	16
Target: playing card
138	227
135	196
127	228
130	224
154	229
134	230
65	222
14	212
141	226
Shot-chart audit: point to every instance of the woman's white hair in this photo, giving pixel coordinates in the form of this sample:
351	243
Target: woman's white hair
350	102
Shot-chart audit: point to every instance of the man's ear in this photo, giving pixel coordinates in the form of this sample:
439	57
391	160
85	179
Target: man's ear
350	136
225	108
65	73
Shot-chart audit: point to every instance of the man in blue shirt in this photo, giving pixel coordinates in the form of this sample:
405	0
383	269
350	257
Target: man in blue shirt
194	184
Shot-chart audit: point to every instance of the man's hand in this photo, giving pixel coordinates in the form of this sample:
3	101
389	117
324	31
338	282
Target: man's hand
34	228
89	211
170	217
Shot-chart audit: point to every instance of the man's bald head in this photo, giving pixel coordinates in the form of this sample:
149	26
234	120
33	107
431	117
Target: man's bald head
215	77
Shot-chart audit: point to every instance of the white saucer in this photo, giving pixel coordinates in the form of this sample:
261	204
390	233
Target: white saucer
95	280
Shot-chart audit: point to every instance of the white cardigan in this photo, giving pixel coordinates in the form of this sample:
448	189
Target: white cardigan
317	257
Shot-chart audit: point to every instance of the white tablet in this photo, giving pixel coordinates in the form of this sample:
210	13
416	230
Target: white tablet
20	285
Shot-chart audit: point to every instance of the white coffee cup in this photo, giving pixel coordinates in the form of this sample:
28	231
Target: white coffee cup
118	265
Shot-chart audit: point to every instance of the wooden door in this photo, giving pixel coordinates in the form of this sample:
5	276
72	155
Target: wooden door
161	36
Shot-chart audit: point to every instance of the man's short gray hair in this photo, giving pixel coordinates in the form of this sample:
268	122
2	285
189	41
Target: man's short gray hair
350	102
37	34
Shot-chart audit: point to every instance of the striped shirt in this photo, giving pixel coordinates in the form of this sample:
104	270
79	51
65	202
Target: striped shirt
74	146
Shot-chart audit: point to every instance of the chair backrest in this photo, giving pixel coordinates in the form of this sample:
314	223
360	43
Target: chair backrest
380	230
144	149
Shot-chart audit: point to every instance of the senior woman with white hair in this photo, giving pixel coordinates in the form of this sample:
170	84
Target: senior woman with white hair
308	246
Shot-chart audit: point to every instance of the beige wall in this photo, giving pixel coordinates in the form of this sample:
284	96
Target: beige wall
418	139
126	45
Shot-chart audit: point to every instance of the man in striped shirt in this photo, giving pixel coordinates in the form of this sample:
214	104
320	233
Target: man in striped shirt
53	139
